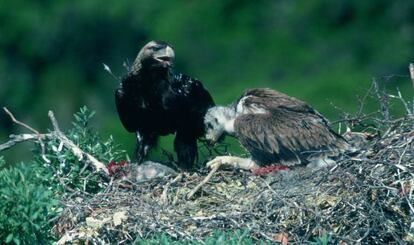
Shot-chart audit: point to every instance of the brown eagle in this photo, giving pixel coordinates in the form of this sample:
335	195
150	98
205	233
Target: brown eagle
154	100
275	129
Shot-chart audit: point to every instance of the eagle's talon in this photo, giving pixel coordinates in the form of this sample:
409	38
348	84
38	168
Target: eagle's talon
215	163
219	161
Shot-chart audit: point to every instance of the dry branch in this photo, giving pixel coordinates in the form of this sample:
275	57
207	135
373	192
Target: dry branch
57	134
19	122
14	139
38	135
74	148
203	182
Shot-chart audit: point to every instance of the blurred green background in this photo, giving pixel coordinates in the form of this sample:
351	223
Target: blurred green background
323	52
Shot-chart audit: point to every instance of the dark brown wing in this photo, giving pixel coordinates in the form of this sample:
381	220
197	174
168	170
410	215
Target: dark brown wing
195	100
127	110
286	136
270	99
130	105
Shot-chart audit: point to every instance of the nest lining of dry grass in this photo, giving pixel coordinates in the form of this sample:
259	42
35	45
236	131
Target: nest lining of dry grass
367	198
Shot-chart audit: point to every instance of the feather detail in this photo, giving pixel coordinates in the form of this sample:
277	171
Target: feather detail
291	132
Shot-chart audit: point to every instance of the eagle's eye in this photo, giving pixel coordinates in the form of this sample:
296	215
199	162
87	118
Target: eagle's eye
155	47
209	126
215	120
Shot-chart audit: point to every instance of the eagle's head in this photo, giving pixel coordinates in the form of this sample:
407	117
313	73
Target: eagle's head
156	55
219	121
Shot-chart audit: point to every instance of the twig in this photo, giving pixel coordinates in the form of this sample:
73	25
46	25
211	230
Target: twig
107	69
74	148
14	139
203	182
383	101
19	122
405	104
355	119
38	135
164	196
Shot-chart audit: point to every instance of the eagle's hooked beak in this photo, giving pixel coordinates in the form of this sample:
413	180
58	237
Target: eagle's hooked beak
211	142
214	141
221	138
166	57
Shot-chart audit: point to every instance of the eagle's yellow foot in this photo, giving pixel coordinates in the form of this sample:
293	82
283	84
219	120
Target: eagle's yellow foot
217	162
235	162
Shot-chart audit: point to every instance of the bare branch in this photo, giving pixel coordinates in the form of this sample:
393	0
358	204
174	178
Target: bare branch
39	136
203	182
405	104
74	148
57	133
164	196
14	139
19	122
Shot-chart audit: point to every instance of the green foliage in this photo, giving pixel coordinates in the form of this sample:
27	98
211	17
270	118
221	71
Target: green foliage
30	192
325	239
89	140
27	205
228	238
68	170
2	162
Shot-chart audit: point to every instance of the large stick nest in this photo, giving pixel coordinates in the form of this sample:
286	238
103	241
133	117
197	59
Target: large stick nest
366	198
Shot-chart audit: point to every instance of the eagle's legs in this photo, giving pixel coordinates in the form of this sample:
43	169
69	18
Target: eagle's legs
143	145
186	148
139	148
236	162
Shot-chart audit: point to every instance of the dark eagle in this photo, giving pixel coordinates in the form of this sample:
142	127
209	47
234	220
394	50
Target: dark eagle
275	129
154	100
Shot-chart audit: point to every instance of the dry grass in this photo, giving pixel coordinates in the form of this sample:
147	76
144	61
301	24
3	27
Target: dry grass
366	198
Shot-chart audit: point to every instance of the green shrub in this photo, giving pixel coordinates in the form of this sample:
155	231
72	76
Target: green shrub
219	237
324	239
30	192
27	206
68	172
